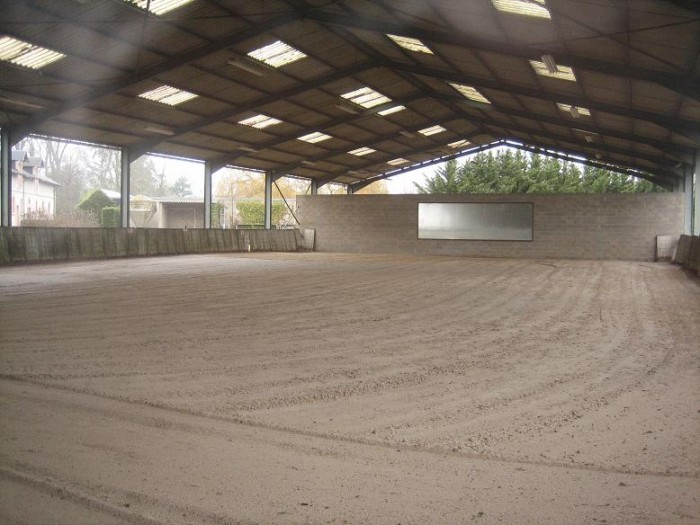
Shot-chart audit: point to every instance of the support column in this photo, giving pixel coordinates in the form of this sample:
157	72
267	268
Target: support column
695	184
687	188
314	187
125	186
6	177
268	199
349	189
207	194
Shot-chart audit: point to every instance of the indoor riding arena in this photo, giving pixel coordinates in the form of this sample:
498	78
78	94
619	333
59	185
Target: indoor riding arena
421	358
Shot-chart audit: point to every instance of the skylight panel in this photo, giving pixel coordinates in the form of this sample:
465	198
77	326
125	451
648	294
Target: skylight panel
277	54
459	144
412	44
315	137
397	162
26	54
432	130
574	111
366	97
534	8
259	121
359	152
168	95
470	93
562	72
159	7
391	110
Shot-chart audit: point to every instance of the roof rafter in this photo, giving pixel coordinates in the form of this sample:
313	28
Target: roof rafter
687	128
139	149
31	124
678	83
325	127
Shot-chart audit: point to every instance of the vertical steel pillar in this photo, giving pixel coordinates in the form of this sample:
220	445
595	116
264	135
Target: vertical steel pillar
314	187
125	186
5	177
349	189
688	198
268	200
207	194
695	185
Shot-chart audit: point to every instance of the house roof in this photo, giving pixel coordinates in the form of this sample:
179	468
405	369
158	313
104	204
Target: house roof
612	82
39	177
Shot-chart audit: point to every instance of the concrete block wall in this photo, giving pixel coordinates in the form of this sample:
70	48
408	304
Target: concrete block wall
577	226
28	245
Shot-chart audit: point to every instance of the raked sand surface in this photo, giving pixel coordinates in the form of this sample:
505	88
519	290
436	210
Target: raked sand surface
333	388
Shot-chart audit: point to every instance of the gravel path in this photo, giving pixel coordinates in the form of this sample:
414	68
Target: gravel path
330	388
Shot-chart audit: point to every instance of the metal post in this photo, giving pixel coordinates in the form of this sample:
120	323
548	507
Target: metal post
268	200
314	187
207	194
688	194
695	185
6	177
125	186
349	189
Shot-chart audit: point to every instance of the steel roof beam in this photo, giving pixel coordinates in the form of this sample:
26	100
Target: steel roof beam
678	83
284	170
687	128
226	159
484	122
25	128
143	147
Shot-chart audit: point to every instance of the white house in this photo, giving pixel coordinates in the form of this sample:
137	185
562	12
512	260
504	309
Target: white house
33	193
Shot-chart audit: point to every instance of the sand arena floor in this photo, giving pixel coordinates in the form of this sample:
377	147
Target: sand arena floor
321	388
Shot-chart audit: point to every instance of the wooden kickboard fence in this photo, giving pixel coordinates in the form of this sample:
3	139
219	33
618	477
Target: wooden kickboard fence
688	252
36	244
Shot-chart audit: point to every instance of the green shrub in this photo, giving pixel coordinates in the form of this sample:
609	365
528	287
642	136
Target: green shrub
111	217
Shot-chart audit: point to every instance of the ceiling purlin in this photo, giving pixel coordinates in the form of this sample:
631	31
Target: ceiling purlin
676	151
143	147
595	146
680	154
690	5
329	154
477	54
680	83
684	127
628	57
556	20
486	126
617	38
325	127
418	84
37	119
348	36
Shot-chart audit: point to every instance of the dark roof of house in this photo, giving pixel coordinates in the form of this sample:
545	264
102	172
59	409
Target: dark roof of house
634	103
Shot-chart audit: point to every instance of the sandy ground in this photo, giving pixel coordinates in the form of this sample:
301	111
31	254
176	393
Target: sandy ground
319	388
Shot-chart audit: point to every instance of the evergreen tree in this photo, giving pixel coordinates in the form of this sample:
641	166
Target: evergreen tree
516	172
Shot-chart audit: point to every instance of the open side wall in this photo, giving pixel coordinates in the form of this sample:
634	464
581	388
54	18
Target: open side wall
590	226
